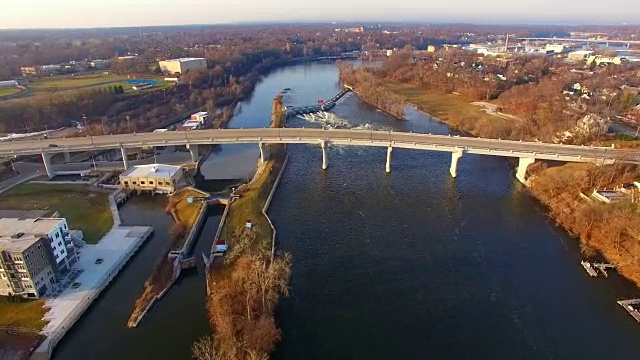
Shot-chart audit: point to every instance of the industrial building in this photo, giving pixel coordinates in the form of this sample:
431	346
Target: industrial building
579	55
555	48
180	66
155	178
44	70
34	254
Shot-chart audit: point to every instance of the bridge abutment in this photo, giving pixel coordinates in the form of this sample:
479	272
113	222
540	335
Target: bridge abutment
125	158
264	153
46	159
193	149
325	156
523	164
388	165
455	156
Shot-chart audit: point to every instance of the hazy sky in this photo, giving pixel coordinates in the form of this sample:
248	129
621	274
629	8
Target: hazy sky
84	13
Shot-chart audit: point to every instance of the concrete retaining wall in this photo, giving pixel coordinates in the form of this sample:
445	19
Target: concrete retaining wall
268	203
44	351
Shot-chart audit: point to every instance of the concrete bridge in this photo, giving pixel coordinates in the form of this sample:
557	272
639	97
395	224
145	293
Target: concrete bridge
526	152
327	105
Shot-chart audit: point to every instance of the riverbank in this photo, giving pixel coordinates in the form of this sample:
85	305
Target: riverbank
251	270
600	228
187	217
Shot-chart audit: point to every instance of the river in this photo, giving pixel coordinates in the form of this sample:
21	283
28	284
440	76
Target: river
407	265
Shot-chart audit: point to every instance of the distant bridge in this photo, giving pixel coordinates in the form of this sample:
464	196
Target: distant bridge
588	41
526	152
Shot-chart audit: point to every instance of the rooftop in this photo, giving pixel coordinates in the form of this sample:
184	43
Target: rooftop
152	171
18	244
30	226
182	59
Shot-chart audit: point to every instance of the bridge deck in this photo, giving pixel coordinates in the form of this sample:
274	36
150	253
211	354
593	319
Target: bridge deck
315	136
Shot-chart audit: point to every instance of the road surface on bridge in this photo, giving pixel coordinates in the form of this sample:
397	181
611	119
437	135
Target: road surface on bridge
354	137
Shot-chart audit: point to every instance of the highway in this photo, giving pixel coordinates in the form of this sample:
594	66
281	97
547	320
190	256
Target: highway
318	136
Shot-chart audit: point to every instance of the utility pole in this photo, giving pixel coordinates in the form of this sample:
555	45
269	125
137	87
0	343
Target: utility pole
102	121
26	126
84	117
128	122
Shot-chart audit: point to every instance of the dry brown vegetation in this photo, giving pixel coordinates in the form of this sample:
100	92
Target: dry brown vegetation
244	293
241	308
610	229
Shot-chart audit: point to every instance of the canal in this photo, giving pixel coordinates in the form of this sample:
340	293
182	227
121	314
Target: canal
407	265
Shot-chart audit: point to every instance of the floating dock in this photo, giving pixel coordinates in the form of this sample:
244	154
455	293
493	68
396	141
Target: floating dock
603	268
631	309
590	270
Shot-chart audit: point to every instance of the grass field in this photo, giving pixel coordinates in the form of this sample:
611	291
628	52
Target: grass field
94	81
25	314
9	91
84	210
451	109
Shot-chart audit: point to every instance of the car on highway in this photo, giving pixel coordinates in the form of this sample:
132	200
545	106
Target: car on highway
53	145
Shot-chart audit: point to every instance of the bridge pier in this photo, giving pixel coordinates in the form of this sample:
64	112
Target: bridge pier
125	158
455	156
193	149
325	158
523	164
264	153
67	157
46	159
388	166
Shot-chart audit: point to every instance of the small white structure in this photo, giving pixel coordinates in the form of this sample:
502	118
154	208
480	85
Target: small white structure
8	84
156	178
610	196
201	116
555	48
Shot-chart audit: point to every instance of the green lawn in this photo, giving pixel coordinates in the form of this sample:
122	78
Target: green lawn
25	314
9	91
84	209
64	83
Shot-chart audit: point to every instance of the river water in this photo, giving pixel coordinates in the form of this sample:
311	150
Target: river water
407	265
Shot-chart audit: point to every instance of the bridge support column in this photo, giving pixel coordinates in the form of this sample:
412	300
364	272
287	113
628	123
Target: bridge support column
264	153
67	157
125	158
325	158
388	165
455	156
523	164
193	149
46	159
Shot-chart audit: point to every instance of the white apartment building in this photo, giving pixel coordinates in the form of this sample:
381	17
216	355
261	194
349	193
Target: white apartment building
54	229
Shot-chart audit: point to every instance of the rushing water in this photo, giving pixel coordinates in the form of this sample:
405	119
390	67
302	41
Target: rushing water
407	265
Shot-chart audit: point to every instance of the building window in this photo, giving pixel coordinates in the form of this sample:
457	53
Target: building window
39	246
135	183
56	256
3	276
59	243
150	182
51	240
57	235
26	256
64	226
126	182
42	255
142	183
